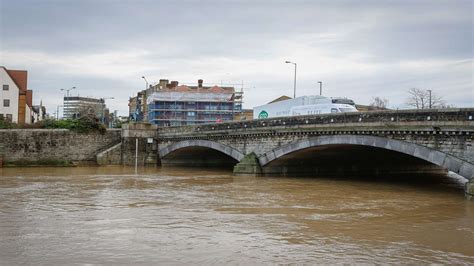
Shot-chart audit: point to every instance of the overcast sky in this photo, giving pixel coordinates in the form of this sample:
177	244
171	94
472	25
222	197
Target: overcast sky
359	49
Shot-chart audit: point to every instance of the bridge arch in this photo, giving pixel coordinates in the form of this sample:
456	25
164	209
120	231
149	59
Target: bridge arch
441	159
231	152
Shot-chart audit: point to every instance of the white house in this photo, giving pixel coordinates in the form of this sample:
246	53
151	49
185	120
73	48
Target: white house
15	98
39	112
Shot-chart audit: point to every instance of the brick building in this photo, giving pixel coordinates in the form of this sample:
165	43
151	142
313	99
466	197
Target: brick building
171	104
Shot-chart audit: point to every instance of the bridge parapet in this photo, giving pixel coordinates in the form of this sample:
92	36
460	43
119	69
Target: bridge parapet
426	120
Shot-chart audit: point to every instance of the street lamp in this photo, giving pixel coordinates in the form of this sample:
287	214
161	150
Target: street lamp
57	111
66	106
320	88
294	84
146	82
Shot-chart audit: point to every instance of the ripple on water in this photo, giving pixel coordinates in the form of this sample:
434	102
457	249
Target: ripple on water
180	216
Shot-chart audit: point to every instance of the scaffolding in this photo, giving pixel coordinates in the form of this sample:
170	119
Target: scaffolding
170	108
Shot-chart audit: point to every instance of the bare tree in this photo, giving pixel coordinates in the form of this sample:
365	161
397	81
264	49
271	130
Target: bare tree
445	106
436	101
424	99
90	111
379	102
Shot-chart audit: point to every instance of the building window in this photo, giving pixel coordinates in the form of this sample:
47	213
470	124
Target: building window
191	113
6	87
1	116
9	117
6	103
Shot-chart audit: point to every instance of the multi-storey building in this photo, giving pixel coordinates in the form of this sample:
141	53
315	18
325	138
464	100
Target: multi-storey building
75	106
16	101
169	104
136	108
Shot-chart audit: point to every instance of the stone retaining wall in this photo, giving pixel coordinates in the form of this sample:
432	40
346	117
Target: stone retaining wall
53	146
111	156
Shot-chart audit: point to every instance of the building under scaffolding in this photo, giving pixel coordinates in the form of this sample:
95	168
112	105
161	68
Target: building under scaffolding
169	104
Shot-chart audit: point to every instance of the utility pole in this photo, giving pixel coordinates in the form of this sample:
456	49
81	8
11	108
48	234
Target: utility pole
320	88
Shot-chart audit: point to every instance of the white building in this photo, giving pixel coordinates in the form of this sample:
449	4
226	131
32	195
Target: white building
39	112
9	96
75	106
15	98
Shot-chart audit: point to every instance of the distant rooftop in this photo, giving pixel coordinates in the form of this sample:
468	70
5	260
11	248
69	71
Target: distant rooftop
281	98
173	86
84	99
187	96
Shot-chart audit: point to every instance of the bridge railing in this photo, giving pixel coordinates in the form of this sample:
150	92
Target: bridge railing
391	116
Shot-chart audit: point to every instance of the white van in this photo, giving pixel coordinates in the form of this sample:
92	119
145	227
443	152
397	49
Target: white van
304	105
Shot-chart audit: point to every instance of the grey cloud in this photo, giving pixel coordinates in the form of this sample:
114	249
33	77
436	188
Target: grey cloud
176	36
234	28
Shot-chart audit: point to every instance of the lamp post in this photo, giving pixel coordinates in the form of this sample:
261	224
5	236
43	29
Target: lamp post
430	98
57	111
294	82
66	106
146	82
320	88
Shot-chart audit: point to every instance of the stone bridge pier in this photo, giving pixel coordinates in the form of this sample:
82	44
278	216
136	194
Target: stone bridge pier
141	136
411	142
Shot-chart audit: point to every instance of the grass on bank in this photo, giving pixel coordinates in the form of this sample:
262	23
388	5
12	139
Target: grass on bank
82	125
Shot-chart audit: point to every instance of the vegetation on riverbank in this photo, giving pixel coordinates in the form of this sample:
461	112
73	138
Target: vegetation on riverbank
81	125
4	124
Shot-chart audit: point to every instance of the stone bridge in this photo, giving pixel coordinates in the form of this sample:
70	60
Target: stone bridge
365	143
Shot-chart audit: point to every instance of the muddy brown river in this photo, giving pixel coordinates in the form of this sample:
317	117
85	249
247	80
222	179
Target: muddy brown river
110	215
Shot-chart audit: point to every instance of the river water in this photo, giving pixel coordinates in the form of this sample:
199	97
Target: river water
110	215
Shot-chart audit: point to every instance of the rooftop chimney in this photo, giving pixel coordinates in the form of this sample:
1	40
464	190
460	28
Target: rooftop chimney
174	84
163	84
200	83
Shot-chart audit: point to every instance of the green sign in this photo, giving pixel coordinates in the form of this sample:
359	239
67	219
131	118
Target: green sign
263	114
